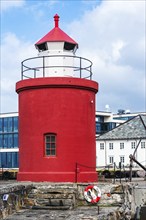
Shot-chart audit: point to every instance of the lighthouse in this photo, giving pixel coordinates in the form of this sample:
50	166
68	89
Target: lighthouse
57	113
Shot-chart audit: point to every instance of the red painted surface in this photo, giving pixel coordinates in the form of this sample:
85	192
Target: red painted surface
65	106
56	35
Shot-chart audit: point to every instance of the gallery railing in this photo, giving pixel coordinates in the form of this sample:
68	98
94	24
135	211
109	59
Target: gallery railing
40	66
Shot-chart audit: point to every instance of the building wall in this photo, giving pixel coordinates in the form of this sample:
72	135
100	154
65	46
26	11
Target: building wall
113	148
9	140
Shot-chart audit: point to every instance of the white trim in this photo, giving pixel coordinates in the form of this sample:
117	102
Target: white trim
11	114
9	150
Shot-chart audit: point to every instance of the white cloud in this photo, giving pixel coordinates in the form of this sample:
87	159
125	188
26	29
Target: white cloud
13	52
112	36
7	4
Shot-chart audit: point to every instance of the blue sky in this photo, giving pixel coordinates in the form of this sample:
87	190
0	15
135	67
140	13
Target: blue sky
111	33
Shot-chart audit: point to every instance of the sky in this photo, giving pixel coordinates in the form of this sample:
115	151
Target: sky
110	33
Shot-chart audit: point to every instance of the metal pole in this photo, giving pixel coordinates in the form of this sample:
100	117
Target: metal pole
80	68
21	70
114	172
76	173
43	66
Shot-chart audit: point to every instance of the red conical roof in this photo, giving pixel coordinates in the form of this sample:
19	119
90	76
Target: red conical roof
56	35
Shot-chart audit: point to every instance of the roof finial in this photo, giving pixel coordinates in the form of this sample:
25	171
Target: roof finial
56	19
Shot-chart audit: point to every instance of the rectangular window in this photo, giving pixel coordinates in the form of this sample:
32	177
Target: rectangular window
50	145
101	146
1	125
133	144
5	141
5	129
15	143
15	124
111	159
121	145
122	159
142	144
1	141
10	126
111	147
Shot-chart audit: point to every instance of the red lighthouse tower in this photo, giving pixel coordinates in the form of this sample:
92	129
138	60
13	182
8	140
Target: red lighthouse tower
57	113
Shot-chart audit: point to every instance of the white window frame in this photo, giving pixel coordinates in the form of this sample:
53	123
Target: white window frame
143	144
121	145
122	159
101	146
133	145
111	146
111	159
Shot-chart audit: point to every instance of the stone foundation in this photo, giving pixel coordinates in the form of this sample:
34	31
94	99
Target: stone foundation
123	197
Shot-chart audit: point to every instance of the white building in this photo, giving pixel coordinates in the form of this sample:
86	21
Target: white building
116	145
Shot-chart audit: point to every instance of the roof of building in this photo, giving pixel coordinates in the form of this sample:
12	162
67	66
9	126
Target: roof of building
134	128
56	35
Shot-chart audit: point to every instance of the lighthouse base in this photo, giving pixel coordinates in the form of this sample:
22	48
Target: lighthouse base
58	176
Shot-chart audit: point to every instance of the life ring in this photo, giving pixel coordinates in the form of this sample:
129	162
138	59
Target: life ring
92	194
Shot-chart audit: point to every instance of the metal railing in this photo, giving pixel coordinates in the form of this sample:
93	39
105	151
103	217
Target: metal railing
37	66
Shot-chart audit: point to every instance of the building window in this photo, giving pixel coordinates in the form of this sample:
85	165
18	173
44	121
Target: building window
122	159
111	146
50	145
142	144
121	145
111	159
101	146
133	144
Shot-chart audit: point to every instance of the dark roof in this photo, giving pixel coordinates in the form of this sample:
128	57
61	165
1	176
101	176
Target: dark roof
134	128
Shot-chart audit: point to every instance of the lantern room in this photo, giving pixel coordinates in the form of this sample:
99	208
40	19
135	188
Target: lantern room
57	43
56	96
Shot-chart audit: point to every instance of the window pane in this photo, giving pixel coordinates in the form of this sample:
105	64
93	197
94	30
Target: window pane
5	141
48	146
48	139
10	128
5	125
14	159
15	125
1	124
10	141
53	145
9	159
1	141
52	138
15	140
53	152
4	159
47	152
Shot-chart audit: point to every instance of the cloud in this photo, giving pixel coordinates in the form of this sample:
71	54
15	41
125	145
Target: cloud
112	35
8	4
13	52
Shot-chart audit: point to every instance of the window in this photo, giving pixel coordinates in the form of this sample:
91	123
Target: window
50	145
111	159
142	144
121	145
111	146
122	159
133	144
101	146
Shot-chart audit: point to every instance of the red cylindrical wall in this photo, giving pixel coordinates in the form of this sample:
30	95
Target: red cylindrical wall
66	107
